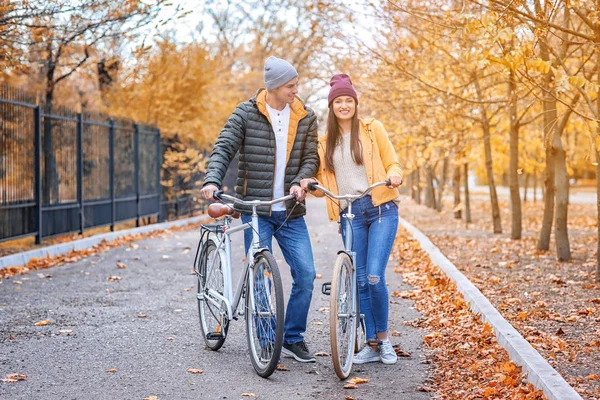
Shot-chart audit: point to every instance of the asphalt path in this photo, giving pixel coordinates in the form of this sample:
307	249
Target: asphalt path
133	332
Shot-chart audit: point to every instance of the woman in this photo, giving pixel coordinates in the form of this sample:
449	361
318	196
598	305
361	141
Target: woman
355	153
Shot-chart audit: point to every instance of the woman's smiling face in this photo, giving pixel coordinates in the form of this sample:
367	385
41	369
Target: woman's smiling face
344	107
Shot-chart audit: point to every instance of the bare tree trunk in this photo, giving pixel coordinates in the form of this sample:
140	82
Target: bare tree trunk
489	168
456	189
525	186
515	196
440	201
561	231
550	117
418	184
429	190
467	197
597	40
598	193
535	181
50	172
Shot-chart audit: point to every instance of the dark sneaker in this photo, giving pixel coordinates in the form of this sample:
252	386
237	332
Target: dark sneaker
266	352
299	351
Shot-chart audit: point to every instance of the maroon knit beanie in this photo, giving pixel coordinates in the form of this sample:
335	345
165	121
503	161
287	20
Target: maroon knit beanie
341	85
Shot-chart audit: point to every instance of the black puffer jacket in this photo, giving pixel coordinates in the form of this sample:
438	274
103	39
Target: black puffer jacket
250	131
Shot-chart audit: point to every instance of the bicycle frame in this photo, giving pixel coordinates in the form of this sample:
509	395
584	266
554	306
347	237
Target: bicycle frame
223	243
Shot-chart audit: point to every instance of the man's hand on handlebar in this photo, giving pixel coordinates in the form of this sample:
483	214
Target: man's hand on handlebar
298	192
208	192
304	183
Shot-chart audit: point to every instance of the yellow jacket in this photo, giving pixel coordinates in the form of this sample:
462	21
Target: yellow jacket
380	162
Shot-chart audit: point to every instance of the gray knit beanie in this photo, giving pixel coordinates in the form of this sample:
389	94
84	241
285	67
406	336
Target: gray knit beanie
278	72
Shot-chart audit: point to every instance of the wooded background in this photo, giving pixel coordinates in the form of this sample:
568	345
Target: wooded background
503	90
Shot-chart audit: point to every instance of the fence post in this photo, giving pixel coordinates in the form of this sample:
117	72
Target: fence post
158	169
37	125
136	150
80	170
111	158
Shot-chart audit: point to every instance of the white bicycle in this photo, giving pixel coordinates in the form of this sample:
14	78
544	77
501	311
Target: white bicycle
258	294
346	323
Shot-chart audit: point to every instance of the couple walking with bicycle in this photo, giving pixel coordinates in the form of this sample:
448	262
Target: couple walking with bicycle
281	154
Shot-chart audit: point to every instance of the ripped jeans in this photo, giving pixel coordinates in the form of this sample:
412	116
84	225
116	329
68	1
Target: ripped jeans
374	230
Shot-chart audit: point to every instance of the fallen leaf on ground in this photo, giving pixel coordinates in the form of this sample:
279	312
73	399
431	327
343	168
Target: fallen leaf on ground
121	266
111	370
151	398
321	354
195	371
350	386
319	276
42	323
281	367
142	315
248	395
114	278
358	381
14	378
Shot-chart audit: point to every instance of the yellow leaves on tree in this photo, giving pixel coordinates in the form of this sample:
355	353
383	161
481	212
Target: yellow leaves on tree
182	89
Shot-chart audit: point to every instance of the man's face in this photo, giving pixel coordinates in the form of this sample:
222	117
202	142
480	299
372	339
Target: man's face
286	93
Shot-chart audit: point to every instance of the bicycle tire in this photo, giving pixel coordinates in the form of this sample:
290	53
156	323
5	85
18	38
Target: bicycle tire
264	320
342	316
213	319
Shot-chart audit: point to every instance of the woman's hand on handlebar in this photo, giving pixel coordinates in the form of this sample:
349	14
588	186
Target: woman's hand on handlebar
394	181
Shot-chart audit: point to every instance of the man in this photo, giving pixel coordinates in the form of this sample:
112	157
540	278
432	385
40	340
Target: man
276	135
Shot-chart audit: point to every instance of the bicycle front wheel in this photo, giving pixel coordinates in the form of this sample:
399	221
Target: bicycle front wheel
213	317
264	314
342	316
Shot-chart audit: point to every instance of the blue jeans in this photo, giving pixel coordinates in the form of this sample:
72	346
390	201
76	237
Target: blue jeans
294	242
373	233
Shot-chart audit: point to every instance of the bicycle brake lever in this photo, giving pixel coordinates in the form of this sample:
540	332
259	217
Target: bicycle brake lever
217	194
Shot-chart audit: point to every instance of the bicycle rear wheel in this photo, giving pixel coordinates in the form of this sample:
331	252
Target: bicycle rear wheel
342	316
213	317
264	314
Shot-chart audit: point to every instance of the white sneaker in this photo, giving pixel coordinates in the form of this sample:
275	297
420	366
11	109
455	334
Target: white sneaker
387	352
366	355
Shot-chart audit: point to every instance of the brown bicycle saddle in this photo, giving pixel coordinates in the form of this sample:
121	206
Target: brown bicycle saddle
217	210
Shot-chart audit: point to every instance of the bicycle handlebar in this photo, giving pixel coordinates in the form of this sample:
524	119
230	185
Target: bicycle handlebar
218	195
315	186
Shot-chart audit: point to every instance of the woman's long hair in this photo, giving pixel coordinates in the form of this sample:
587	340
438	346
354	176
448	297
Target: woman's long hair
334	138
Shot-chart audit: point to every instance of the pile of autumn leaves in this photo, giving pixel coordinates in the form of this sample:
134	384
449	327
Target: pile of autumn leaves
469	362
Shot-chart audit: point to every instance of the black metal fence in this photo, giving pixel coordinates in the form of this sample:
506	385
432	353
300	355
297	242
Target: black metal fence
63	172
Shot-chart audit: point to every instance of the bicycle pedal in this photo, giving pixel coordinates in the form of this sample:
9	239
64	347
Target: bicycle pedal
215	336
326	288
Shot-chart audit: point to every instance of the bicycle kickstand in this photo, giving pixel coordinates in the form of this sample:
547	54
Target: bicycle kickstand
326	288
